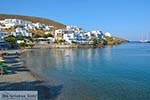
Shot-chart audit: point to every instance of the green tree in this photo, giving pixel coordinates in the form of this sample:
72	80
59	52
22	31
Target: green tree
93	40
31	45
20	38
23	44
61	41
47	35
109	39
10	39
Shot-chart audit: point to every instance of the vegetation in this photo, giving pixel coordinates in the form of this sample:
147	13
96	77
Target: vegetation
73	42
23	44
61	41
114	40
10	39
37	36
20	37
96	40
47	35
109	39
31	45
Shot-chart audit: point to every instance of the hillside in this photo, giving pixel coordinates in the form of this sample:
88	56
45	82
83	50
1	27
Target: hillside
34	19
115	40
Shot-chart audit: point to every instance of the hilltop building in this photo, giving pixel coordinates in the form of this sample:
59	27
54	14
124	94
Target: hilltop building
72	34
108	34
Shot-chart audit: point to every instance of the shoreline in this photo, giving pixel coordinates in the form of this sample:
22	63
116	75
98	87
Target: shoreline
24	79
70	46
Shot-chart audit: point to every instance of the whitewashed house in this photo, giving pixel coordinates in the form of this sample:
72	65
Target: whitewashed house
22	32
69	36
30	26
9	23
98	34
73	28
4	34
81	37
44	40
16	21
48	28
108	34
94	34
39	25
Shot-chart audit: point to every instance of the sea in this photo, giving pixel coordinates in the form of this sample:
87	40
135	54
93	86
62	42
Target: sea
120	72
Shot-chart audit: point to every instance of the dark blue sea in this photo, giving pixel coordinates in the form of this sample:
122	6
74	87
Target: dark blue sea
120	72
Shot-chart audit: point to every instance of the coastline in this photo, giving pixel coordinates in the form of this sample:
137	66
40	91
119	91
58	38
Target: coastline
23	79
67	46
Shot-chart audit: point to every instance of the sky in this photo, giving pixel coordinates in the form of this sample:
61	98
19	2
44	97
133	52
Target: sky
129	19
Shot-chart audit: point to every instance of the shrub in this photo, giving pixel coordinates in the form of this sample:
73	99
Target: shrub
10	39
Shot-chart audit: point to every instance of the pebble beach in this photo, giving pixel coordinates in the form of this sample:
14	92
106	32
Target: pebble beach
22	79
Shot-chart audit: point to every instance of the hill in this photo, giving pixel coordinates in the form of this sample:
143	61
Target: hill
34	19
115	40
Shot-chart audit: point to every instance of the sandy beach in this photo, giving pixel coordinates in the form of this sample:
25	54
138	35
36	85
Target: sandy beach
23	79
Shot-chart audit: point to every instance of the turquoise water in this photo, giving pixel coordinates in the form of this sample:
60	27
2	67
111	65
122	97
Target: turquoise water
113	73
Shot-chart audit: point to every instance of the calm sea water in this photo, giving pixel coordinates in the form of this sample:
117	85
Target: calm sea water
113	73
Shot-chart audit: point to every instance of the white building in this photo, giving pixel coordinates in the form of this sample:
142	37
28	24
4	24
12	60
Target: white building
73	28
69	36
44	40
4	34
20	41
108	34
14	22
94	34
48	28
22	32
39	25
30	26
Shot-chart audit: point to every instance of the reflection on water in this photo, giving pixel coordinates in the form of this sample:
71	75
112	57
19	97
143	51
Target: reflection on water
112	73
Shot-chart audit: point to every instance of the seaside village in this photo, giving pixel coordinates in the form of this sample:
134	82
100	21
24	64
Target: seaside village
26	32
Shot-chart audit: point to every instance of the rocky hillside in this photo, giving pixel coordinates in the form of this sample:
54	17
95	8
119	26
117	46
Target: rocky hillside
33	19
115	40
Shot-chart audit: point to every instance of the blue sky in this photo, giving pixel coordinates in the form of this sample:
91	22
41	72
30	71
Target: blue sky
125	18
